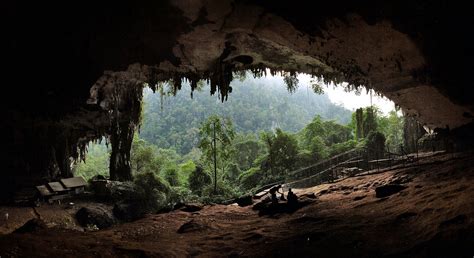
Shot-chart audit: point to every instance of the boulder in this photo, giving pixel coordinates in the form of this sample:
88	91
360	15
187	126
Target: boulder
127	211
99	216
387	190
192	207
244	200
190	226
32	225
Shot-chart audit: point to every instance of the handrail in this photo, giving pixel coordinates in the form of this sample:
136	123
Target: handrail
296	173
323	161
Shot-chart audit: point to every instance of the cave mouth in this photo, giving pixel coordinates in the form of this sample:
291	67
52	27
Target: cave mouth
282	97
394	49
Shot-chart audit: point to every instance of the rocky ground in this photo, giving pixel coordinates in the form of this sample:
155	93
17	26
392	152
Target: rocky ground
424	210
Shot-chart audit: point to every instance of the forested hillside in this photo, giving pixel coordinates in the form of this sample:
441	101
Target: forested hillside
201	148
254	105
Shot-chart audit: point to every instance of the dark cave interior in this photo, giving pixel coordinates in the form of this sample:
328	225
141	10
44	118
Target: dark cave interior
75	72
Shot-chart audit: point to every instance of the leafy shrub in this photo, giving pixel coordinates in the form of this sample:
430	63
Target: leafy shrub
339	148
119	191
233	172
185	170
151	192
223	189
181	195
305	158
198	180
251	178
170	174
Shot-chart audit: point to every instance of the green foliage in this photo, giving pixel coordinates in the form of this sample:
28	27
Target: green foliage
364	120
233	172
370	121
317	148
224	191
247	148
291	81
254	105
317	85
122	191
194	155
282	151
185	170
170	174
238	161
216	136
324	138
151	192
96	162
198	180
339	148
181	195
251	178
305	158
375	145
143	157
392	127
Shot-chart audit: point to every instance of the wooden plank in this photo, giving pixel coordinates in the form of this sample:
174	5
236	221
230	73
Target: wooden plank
43	190
260	194
73	182
56	187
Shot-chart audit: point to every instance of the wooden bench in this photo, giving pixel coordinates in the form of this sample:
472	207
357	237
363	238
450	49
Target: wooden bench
74	184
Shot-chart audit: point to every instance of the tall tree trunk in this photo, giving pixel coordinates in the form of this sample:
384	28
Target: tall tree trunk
359	123
215	159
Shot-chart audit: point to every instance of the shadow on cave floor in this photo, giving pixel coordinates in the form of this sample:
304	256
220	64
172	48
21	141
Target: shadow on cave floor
429	215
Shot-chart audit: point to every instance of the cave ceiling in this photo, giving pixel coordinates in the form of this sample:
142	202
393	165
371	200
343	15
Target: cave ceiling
395	47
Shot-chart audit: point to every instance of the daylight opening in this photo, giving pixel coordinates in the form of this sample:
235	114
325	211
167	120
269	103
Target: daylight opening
296	131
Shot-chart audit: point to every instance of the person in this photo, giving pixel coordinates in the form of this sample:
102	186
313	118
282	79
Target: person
292	198
273	191
282	197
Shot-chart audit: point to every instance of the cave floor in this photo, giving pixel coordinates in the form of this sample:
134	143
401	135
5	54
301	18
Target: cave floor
432	217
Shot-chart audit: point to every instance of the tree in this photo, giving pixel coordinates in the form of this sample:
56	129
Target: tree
198	180
370	121
375	145
142	155
247	148
359	117
282	152
392	127
170	174
216	136
255	105
185	170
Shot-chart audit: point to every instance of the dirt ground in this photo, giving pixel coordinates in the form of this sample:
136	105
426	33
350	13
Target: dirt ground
432	217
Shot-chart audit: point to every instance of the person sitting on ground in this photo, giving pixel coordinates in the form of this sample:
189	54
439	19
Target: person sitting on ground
292	198
282	197
273	191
